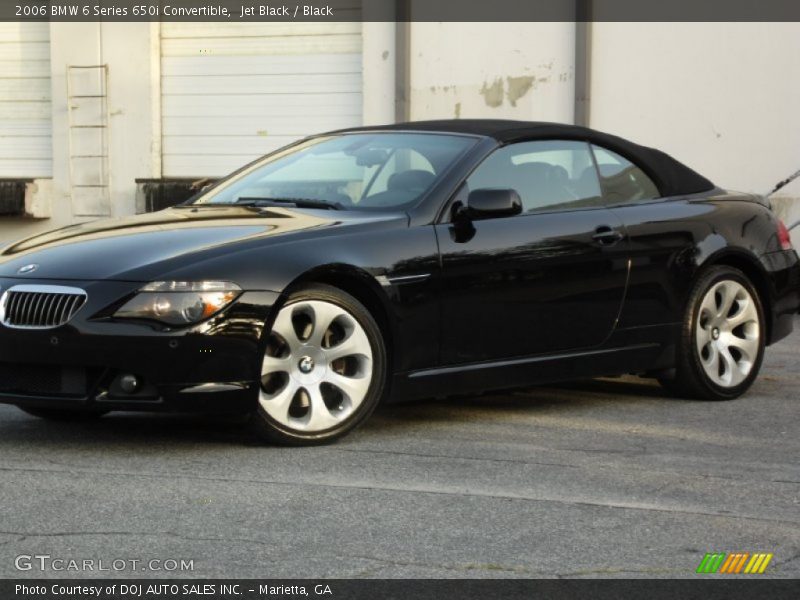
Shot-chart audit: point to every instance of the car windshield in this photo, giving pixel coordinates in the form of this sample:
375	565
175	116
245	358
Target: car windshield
349	171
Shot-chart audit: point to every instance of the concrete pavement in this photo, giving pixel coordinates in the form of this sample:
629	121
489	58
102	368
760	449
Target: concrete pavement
607	478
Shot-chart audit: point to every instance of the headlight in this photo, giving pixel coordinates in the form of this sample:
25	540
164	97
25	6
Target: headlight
179	302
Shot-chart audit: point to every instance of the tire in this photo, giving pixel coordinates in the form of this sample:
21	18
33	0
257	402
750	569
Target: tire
721	344
323	369
64	414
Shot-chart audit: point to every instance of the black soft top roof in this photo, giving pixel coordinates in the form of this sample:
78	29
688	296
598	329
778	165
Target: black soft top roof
673	178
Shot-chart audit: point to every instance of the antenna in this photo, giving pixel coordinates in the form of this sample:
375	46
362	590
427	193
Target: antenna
784	183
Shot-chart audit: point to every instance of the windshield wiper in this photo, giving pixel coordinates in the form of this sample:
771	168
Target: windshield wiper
296	202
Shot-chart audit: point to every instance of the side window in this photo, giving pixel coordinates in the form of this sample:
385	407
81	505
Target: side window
623	182
547	175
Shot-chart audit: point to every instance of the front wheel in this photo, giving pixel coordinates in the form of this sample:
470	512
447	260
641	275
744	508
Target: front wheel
722	339
323	369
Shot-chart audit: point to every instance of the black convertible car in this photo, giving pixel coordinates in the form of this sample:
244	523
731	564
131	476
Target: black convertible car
406	261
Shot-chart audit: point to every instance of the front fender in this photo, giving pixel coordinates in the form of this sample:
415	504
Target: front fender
397	267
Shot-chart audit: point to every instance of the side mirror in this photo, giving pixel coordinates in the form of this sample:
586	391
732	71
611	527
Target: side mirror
489	203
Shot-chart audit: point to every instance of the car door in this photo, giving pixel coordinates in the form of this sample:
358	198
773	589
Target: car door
662	240
548	280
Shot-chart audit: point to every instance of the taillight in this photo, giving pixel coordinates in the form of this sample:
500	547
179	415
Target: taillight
784	238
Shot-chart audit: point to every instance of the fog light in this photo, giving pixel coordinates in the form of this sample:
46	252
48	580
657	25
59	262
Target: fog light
129	384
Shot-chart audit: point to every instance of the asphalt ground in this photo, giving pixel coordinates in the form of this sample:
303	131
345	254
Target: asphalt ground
608	478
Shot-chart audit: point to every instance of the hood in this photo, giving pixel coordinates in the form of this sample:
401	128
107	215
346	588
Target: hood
141	247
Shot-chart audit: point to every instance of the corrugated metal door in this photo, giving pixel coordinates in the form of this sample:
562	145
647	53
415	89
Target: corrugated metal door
25	119
233	92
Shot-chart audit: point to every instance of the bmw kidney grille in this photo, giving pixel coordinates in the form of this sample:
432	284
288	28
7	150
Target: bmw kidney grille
40	306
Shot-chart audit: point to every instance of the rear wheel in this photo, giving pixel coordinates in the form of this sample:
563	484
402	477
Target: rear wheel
58	414
323	369
722	340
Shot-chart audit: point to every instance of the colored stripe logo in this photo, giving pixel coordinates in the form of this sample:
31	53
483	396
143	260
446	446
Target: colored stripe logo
735	563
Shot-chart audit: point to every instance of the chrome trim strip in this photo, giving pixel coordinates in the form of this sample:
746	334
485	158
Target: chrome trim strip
204	388
33	304
451	370
104	398
402	279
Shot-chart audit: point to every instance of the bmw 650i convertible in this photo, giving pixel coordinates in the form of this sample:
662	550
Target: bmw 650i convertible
407	261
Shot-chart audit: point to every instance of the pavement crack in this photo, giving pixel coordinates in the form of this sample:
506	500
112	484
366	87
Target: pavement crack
616	571
18	539
58	534
419	490
782	563
452	457
640	450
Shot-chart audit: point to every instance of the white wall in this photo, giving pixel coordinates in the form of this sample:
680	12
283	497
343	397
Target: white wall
722	97
232	92
378	69
125	48
492	70
25	127
133	126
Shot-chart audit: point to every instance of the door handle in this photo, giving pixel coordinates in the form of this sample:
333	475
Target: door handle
606	236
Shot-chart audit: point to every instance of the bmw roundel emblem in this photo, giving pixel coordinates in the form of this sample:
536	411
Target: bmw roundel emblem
27	269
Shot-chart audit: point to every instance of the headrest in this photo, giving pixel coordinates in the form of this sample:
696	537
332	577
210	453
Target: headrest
535	168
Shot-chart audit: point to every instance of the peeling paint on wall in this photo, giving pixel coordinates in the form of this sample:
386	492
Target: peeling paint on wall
513	89
493	94
518	87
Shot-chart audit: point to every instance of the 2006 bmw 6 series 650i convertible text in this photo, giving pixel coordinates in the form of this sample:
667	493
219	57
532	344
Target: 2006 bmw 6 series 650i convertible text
399	262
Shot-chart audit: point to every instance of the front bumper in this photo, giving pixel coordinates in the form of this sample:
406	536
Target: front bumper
210	367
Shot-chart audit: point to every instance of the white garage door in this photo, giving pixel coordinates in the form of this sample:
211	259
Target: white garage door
25	121
233	92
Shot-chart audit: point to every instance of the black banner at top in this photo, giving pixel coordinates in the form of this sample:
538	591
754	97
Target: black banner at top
250	11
